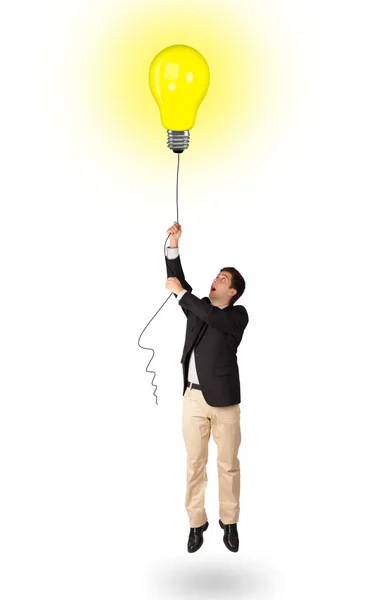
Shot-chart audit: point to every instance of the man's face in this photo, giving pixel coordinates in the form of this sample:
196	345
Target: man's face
220	288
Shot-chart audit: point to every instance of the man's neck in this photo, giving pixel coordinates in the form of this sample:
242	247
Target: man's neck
220	305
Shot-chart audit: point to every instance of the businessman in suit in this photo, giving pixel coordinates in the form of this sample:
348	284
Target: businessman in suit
211	391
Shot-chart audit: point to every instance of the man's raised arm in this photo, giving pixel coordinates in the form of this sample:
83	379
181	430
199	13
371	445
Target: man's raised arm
173	262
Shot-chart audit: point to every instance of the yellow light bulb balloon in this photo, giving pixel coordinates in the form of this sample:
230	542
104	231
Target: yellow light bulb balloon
179	80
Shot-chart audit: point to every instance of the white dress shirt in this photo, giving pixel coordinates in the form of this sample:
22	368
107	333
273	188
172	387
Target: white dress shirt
192	372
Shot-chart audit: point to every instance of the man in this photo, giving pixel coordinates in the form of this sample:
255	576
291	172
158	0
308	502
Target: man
211	391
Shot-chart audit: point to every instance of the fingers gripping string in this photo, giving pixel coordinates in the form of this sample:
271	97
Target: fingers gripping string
144	347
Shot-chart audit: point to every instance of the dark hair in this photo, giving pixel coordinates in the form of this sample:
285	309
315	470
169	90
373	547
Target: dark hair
237	282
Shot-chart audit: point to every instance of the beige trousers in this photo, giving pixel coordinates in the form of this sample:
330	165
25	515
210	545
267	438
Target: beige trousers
198	418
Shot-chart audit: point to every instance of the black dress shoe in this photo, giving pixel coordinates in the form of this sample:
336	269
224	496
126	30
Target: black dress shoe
195	540
230	537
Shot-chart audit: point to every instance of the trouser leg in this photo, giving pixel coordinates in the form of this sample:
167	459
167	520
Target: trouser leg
225	423
196	431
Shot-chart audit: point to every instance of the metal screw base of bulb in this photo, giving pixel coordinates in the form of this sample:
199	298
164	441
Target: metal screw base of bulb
178	141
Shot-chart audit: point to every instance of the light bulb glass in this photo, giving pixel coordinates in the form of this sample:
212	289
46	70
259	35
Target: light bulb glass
179	79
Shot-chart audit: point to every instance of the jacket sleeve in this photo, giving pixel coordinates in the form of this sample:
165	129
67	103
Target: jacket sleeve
232	321
174	269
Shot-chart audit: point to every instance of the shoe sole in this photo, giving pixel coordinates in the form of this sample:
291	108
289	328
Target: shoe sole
226	545
202	541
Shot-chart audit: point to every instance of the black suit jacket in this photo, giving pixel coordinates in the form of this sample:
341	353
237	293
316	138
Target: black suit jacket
215	333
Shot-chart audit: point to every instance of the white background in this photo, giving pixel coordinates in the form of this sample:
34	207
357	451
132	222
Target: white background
93	471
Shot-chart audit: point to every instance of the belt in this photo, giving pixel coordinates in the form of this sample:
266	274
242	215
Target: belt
196	386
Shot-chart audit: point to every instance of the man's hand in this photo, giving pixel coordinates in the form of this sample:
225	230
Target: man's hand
175	233
173	285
